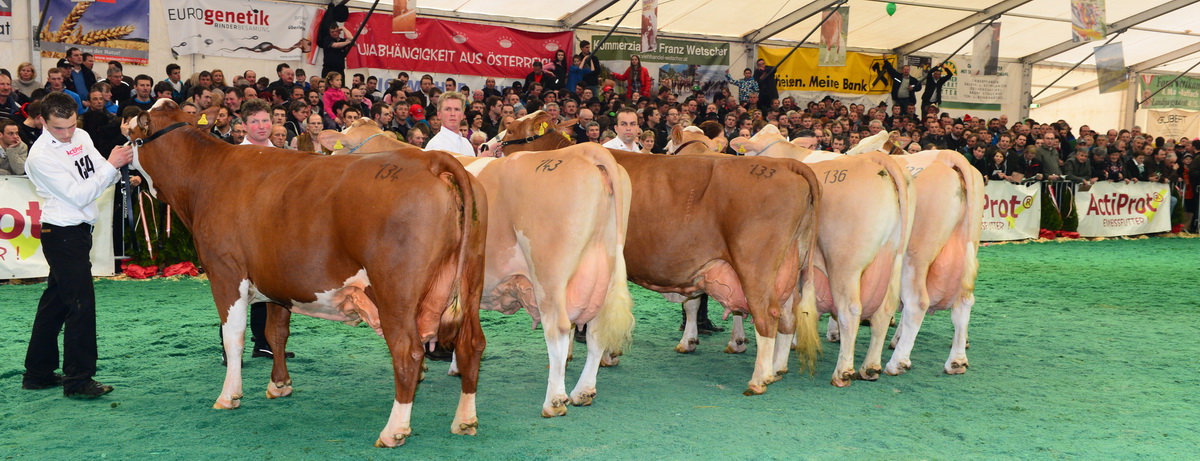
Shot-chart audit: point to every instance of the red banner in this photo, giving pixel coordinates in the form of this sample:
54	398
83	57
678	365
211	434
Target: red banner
452	47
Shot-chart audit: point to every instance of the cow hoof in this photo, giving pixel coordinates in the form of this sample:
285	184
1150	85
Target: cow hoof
833	338
781	372
735	347
687	348
453	371
397	440
843	379
279	389
869	373
583	398
558	407
957	367
228	404
755	389
464	428
609	360
898	369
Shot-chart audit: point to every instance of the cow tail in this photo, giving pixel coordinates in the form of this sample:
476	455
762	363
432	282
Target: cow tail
614	323
471	210
972	183
808	339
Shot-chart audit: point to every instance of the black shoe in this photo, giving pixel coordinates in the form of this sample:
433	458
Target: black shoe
706	327
55	380
89	390
266	352
440	354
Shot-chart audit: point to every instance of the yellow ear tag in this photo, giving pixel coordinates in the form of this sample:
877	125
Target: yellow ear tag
741	149
565	135
338	145
203	120
542	128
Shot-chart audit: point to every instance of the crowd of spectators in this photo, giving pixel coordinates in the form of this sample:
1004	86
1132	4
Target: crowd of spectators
619	108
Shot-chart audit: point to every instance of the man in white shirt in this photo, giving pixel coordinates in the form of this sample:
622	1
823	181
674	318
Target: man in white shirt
450	110
627	131
70	175
257	114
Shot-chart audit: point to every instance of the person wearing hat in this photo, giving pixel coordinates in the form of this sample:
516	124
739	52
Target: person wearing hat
416	116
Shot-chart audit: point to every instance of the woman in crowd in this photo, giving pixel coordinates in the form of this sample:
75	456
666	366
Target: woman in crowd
998	168
26	80
559	66
218	80
1111	169
636	77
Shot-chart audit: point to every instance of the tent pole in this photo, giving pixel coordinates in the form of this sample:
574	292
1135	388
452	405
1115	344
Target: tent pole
969	40
597	45
1137	104
1076	66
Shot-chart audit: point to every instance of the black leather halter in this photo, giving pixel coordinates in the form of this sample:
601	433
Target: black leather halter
157	134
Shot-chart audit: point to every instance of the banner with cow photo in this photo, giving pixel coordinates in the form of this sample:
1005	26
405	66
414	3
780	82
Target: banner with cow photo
21	255
1114	209
686	66
833	37
112	30
454	48
240	28
1011	211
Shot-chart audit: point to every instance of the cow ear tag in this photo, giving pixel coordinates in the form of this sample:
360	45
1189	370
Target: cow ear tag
565	135
203	120
542	129
338	145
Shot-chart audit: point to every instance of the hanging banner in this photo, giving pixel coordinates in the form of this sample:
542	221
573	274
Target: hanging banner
1087	20
1110	67
6	20
985	54
684	65
452	47
404	16
833	37
1011	211
111	30
240	28
1113	209
861	74
21	255
1184	93
650	25
972	92
1173	123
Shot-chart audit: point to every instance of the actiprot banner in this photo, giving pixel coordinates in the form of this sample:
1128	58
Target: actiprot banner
1112	209
112	30
682	65
1011	211
21	255
450	47
802	73
239	28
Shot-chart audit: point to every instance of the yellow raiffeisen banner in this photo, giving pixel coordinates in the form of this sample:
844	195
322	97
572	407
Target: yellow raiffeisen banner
862	74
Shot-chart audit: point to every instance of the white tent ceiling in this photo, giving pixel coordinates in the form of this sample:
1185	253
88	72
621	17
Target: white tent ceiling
1033	30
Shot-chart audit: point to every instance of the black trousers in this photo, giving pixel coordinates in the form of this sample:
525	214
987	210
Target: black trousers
70	301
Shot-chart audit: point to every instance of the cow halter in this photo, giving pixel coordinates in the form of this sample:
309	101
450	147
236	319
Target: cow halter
522	140
681	146
355	148
768	146
157	134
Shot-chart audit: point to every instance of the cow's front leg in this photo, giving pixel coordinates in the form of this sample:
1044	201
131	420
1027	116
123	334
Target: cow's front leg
233	339
278	329
690	339
737	335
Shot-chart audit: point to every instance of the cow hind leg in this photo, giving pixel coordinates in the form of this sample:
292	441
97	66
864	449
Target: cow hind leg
233	339
849	306
468	350
916	304
737	335
558	343
785	336
871	367
960	314
833	332
278	330
690	339
585	390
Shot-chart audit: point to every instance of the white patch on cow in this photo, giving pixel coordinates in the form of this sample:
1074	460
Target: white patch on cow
768	130
532	115
477	166
159	104
870	143
398	423
693	129
324	308
137	165
233	338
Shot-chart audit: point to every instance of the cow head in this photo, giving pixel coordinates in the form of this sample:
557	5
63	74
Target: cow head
693	141
536	132
755	144
341	142
164	113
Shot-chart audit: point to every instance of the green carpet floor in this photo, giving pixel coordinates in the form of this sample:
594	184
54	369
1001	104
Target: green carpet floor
1079	350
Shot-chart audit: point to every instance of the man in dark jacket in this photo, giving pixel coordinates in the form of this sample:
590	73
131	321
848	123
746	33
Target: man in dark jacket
933	87
904	85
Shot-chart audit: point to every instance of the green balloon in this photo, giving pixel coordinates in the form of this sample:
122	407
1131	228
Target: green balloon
891	9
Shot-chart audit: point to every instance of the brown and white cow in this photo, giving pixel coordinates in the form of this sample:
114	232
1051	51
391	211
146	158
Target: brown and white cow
395	239
556	235
738	229
866	220
941	263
